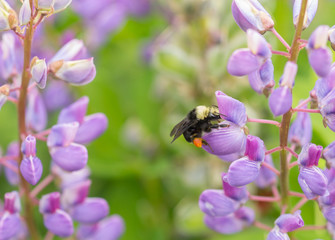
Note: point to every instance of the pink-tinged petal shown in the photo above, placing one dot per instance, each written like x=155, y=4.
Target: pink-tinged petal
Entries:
x=75, y=112
x=318, y=38
x=76, y=72
x=290, y=71
x=71, y=158
x=75, y=194
x=90, y=211
x=12, y=202
x=28, y=146
x=257, y=44
x=59, y=223
x=31, y=169
x=237, y=193
x=312, y=181
x=49, y=203
x=246, y=215
x=312, y=6
x=110, y=228
x=10, y=225
x=255, y=149
x=280, y=101
x=251, y=14
x=243, y=62
x=320, y=60
x=289, y=222
x=262, y=79
x=216, y=204
x=300, y=131
x=91, y=128
x=266, y=177
x=225, y=225
x=36, y=112
x=68, y=179
x=276, y=234
x=73, y=50
x=310, y=155
x=62, y=135
x=242, y=172
x=224, y=141
x=233, y=110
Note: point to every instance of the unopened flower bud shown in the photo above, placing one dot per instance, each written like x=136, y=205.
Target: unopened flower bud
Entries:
x=8, y=17
x=28, y=147
x=78, y=72
x=39, y=70
x=312, y=6
x=251, y=14
x=25, y=13
x=73, y=50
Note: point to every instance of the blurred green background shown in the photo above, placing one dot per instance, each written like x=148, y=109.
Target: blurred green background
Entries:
x=152, y=184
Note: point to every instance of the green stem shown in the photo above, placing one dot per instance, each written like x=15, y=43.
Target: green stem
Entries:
x=285, y=123
x=28, y=215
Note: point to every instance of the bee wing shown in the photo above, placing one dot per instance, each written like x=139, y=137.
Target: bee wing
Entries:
x=180, y=128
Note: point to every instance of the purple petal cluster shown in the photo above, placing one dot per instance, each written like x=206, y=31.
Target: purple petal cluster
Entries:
x=312, y=180
x=254, y=62
x=285, y=223
x=228, y=143
x=245, y=170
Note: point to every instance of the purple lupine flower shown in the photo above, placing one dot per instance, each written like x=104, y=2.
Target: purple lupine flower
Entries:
x=312, y=6
x=285, y=223
x=109, y=228
x=228, y=143
x=329, y=154
x=36, y=112
x=55, y=219
x=280, y=101
x=10, y=222
x=245, y=170
x=39, y=72
x=319, y=55
x=312, y=180
x=250, y=14
x=67, y=179
x=254, y=62
x=300, y=131
x=239, y=194
x=75, y=193
x=266, y=177
x=91, y=210
x=232, y=223
x=31, y=167
x=72, y=50
x=13, y=150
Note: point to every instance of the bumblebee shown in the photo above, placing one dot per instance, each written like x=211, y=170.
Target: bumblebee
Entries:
x=199, y=120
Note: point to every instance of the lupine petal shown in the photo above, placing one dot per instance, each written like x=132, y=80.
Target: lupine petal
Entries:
x=255, y=149
x=28, y=146
x=36, y=112
x=75, y=112
x=239, y=194
x=62, y=135
x=225, y=225
x=75, y=194
x=312, y=6
x=39, y=73
x=73, y=50
x=10, y=225
x=233, y=156
x=290, y=71
x=276, y=234
x=57, y=95
x=310, y=155
x=318, y=38
x=324, y=85
x=49, y=203
x=320, y=60
x=289, y=222
x=251, y=14
x=215, y=203
x=266, y=177
x=262, y=78
x=329, y=154
x=91, y=210
x=91, y=128
x=280, y=101
x=242, y=172
x=312, y=181
x=224, y=141
x=68, y=179
x=71, y=158
x=25, y=13
x=12, y=202
x=110, y=228
x=329, y=214
x=300, y=131
x=233, y=110
x=246, y=215
x=257, y=44
x=243, y=62
x=59, y=223
x=31, y=169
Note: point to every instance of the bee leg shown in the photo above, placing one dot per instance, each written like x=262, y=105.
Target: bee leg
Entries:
x=207, y=144
x=224, y=125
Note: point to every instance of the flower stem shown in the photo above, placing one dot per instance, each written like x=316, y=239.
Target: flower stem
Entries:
x=285, y=54
x=276, y=149
x=264, y=121
x=285, y=123
x=262, y=226
x=306, y=110
x=263, y=199
x=299, y=204
x=22, y=126
x=268, y=166
x=281, y=39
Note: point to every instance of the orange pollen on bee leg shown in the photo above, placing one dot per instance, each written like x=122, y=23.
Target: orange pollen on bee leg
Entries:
x=197, y=142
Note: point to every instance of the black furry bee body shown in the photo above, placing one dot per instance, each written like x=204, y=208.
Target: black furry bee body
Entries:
x=199, y=120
